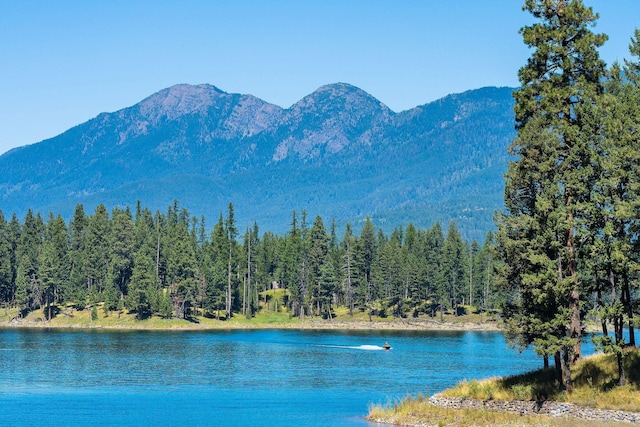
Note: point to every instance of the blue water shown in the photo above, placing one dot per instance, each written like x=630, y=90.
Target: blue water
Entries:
x=234, y=378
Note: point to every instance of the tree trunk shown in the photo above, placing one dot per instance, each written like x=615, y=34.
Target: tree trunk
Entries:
x=454, y=303
x=545, y=361
x=349, y=290
x=575, y=326
x=566, y=370
x=603, y=320
x=248, y=291
x=618, y=324
x=627, y=296
x=48, y=305
x=557, y=360
x=228, y=301
x=244, y=296
x=470, y=276
x=622, y=381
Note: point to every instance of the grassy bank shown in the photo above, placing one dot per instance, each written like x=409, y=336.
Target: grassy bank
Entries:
x=69, y=317
x=594, y=378
x=416, y=413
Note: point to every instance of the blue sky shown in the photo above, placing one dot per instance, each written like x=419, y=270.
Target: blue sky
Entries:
x=64, y=62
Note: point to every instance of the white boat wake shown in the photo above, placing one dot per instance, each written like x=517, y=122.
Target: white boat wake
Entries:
x=355, y=347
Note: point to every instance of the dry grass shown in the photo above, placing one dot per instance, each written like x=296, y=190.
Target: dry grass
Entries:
x=594, y=379
x=419, y=412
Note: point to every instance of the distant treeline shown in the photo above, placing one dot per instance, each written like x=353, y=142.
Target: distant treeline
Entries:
x=169, y=264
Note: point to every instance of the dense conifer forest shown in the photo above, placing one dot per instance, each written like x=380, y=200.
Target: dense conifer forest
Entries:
x=170, y=265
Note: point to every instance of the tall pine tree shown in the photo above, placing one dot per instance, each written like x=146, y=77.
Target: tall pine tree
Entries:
x=548, y=183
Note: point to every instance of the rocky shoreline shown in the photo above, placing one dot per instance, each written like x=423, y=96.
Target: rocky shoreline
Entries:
x=550, y=408
x=397, y=325
x=522, y=408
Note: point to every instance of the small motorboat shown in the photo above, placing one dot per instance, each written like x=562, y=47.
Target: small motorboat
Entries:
x=386, y=346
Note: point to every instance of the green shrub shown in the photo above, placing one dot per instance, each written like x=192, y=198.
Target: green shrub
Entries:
x=489, y=390
x=474, y=389
x=521, y=392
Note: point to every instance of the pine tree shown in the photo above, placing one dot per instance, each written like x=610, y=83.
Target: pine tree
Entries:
x=23, y=295
x=6, y=273
x=28, y=255
x=165, y=304
x=366, y=252
x=387, y=274
x=350, y=280
x=249, y=292
x=97, y=251
x=475, y=265
x=54, y=266
x=77, y=244
x=142, y=288
x=121, y=243
x=293, y=270
x=328, y=283
x=434, y=242
x=318, y=249
x=414, y=243
x=333, y=277
x=267, y=264
x=487, y=262
x=548, y=183
x=216, y=253
x=612, y=219
x=454, y=263
x=232, y=232
x=182, y=270
x=13, y=231
x=30, y=244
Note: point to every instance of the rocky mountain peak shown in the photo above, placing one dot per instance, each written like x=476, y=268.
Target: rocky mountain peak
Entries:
x=329, y=120
x=179, y=100
x=341, y=96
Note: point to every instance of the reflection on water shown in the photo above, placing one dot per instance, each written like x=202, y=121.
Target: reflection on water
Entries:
x=269, y=378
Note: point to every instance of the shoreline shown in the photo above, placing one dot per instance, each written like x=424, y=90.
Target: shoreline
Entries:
x=308, y=324
x=535, y=412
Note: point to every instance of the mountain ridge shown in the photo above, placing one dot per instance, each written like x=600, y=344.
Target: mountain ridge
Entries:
x=338, y=152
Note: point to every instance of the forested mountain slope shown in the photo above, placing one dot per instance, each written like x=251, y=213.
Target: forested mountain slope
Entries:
x=338, y=152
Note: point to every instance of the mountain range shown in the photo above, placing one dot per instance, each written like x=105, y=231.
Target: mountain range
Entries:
x=338, y=152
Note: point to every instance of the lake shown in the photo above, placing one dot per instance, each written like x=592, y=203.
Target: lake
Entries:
x=237, y=378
